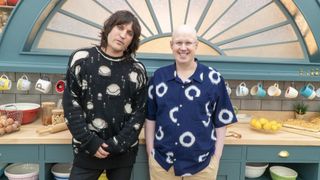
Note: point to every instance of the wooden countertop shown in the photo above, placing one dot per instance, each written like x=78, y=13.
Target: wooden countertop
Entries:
x=28, y=135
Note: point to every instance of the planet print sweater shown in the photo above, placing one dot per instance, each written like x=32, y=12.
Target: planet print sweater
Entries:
x=104, y=102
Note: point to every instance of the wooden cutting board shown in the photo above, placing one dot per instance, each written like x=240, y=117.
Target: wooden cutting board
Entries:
x=301, y=132
x=300, y=128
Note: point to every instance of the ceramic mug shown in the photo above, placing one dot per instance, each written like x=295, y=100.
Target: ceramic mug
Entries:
x=242, y=89
x=274, y=90
x=5, y=83
x=23, y=84
x=228, y=88
x=291, y=92
x=43, y=85
x=318, y=92
x=60, y=86
x=308, y=91
x=257, y=90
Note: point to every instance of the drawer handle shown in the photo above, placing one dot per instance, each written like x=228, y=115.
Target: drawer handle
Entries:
x=283, y=154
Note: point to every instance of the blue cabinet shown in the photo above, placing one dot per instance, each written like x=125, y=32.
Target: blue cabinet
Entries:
x=304, y=159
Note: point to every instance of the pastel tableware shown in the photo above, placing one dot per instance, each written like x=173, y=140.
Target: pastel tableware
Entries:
x=242, y=89
x=23, y=84
x=5, y=83
x=291, y=92
x=274, y=90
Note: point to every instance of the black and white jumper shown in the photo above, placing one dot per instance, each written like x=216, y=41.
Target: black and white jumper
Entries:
x=104, y=101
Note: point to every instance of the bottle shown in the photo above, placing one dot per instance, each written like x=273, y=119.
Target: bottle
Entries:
x=47, y=112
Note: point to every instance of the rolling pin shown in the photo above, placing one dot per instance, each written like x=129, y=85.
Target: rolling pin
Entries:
x=53, y=128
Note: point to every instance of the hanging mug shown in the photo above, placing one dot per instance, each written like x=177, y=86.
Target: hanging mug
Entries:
x=43, y=85
x=23, y=84
x=5, y=83
x=60, y=86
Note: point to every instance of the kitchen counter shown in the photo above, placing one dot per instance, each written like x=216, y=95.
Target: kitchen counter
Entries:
x=28, y=135
x=302, y=151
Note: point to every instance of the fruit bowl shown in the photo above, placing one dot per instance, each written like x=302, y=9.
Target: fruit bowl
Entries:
x=264, y=125
x=264, y=131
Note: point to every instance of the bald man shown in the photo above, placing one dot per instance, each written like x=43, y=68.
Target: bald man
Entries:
x=188, y=109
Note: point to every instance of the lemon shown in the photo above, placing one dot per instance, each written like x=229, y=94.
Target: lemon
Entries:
x=263, y=120
x=253, y=122
x=273, y=122
x=258, y=125
x=274, y=127
x=267, y=126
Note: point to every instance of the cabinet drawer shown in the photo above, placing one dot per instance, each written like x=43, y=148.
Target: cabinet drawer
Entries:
x=58, y=153
x=231, y=152
x=19, y=153
x=283, y=153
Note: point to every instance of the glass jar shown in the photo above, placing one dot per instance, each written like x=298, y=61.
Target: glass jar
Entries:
x=47, y=108
x=57, y=116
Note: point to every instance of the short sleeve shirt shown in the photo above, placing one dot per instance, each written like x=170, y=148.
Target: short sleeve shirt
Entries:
x=186, y=115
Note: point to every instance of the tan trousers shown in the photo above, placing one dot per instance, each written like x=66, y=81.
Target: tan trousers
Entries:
x=158, y=173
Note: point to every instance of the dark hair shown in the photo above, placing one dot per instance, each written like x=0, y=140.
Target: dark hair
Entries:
x=119, y=18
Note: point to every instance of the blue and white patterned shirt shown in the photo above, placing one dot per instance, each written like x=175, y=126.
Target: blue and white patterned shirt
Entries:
x=186, y=115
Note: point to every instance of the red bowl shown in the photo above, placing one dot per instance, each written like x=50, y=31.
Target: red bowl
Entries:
x=30, y=111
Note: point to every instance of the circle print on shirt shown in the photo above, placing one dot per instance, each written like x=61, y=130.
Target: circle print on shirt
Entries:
x=184, y=138
x=187, y=92
x=150, y=92
x=225, y=116
x=213, y=79
x=161, y=86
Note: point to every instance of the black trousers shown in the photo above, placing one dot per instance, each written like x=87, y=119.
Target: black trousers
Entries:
x=123, y=173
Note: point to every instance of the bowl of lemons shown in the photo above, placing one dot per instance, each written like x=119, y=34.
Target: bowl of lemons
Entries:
x=265, y=125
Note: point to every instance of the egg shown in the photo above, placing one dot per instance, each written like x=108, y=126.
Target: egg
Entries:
x=10, y=121
x=14, y=127
x=4, y=122
x=8, y=129
x=2, y=131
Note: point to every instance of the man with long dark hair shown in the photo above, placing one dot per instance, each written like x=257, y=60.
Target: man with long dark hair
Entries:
x=104, y=101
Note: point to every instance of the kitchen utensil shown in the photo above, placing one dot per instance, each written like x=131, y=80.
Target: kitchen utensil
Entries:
x=5, y=82
x=244, y=118
x=282, y=173
x=47, y=108
x=233, y=134
x=301, y=132
x=255, y=170
x=60, y=86
x=61, y=171
x=23, y=84
x=43, y=85
x=242, y=89
x=25, y=171
x=52, y=128
x=274, y=90
x=291, y=92
x=308, y=91
x=30, y=111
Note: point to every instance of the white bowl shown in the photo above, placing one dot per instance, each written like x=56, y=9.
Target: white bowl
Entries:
x=22, y=171
x=61, y=171
x=244, y=118
x=254, y=170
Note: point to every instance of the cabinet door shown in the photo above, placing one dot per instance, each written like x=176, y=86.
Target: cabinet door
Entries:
x=58, y=153
x=229, y=171
x=19, y=153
